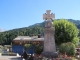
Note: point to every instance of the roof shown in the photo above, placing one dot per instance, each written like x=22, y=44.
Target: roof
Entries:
x=7, y=46
x=28, y=38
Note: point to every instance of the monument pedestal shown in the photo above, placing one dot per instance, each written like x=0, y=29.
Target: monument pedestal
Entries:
x=49, y=43
x=49, y=54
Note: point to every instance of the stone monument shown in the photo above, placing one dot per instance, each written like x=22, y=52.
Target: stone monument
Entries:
x=49, y=40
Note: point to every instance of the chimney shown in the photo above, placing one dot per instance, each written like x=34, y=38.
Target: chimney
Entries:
x=39, y=35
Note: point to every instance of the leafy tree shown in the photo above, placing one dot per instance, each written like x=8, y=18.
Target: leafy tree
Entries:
x=65, y=31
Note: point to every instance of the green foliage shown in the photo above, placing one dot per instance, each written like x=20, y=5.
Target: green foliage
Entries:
x=27, y=46
x=7, y=36
x=79, y=32
x=79, y=38
x=68, y=47
x=38, y=48
x=65, y=31
x=75, y=41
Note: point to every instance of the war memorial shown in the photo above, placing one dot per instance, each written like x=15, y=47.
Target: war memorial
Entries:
x=48, y=40
x=49, y=52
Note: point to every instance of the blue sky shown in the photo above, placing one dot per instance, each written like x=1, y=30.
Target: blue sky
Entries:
x=23, y=13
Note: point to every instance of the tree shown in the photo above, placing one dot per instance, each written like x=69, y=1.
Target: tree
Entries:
x=65, y=31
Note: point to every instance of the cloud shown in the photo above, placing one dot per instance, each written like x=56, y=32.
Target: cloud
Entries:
x=2, y=30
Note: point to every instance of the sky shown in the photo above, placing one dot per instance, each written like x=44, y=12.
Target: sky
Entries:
x=23, y=13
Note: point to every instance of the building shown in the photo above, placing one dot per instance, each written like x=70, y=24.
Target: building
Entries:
x=20, y=41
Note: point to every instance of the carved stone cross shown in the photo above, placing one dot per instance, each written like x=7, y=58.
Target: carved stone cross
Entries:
x=48, y=16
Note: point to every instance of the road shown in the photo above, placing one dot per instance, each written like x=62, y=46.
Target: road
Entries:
x=10, y=58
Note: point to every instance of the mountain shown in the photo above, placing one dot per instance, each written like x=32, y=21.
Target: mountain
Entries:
x=37, y=24
x=7, y=36
x=2, y=30
x=76, y=22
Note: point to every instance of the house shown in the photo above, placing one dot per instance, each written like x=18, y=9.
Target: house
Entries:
x=20, y=41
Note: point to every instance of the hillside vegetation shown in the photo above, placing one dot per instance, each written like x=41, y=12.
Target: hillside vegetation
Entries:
x=7, y=36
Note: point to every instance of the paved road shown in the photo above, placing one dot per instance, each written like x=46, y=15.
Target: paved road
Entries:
x=10, y=58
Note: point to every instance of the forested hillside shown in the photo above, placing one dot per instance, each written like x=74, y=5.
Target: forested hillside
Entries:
x=7, y=36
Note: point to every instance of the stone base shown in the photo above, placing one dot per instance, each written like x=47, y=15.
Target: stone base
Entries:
x=50, y=54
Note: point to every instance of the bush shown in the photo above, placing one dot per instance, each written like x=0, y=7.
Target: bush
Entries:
x=68, y=47
x=27, y=46
x=38, y=49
